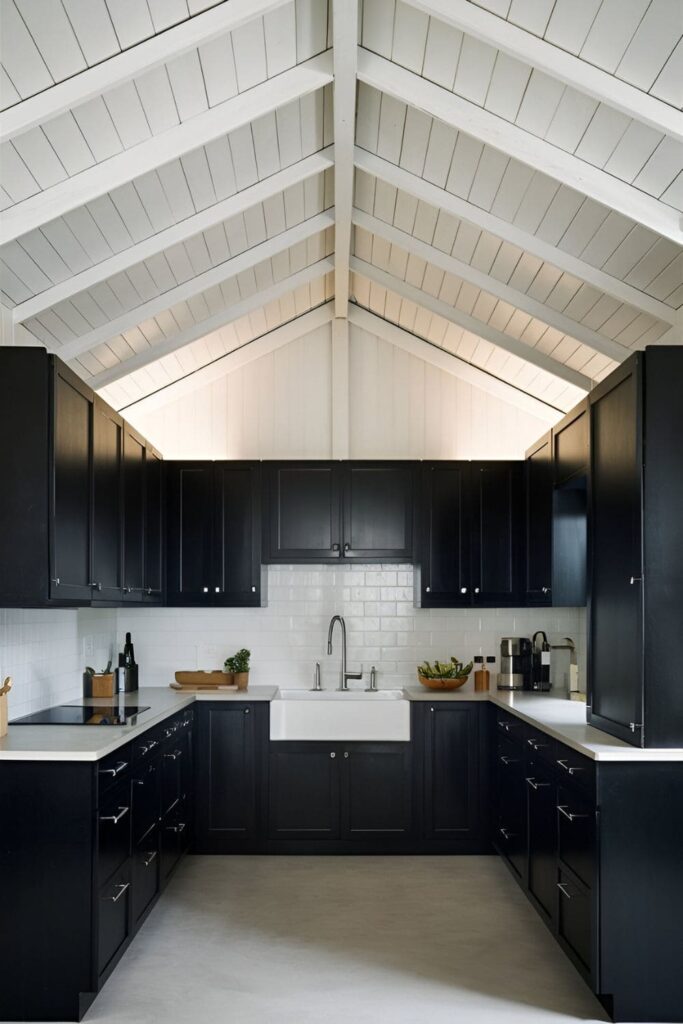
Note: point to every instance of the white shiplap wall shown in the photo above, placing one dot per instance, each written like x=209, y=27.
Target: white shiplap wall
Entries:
x=280, y=406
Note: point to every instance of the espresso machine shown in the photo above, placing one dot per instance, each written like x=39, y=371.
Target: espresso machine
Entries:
x=515, y=663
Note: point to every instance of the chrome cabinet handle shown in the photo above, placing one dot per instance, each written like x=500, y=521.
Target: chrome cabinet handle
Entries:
x=346, y=753
x=332, y=753
x=96, y=586
x=121, y=886
x=114, y=771
x=247, y=710
x=217, y=590
x=180, y=827
x=205, y=590
x=476, y=590
x=535, y=745
x=507, y=725
x=545, y=590
x=115, y=818
x=506, y=834
x=463, y=590
x=253, y=590
x=347, y=547
x=563, y=889
x=635, y=725
x=635, y=579
x=174, y=756
x=149, y=858
x=335, y=547
x=56, y=581
x=562, y=808
x=537, y=785
x=508, y=760
x=563, y=764
x=428, y=590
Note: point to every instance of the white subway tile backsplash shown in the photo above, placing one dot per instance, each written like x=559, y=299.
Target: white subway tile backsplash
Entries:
x=44, y=650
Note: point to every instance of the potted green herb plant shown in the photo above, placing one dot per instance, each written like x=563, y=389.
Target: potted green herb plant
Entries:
x=238, y=664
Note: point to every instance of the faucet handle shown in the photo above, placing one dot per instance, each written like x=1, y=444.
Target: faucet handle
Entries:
x=373, y=680
x=317, y=685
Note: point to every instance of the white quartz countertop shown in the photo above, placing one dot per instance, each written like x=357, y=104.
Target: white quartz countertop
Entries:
x=565, y=720
x=91, y=742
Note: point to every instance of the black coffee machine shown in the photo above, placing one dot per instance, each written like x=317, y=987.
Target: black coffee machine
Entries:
x=515, y=663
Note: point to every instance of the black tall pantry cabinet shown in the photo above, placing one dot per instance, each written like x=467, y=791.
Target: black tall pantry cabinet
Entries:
x=636, y=550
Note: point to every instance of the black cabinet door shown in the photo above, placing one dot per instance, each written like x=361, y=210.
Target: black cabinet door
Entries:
x=444, y=535
x=452, y=796
x=376, y=791
x=71, y=487
x=236, y=562
x=154, y=535
x=539, y=522
x=303, y=791
x=190, y=569
x=510, y=828
x=497, y=534
x=542, y=812
x=107, y=530
x=304, y=512
x=575, y=922
x=615, y=666
x=378, y=511
x=571, y=445
x=229, y=744
x=133, y=515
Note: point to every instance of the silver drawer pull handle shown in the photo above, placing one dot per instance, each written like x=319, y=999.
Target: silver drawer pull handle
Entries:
x=176, y=828
x=174, y=756
x=115, y=818
x=572, y=770
x=508, y=760
x=535, y=745
x=122, y=886
x=562, y=808
x=114, y=771
x=149, y=858
x=506, y=834
x=537, y=785
x=563, y=889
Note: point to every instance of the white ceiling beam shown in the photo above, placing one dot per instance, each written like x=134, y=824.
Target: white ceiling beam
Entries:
x=341, y=406
x=161, y=149
x=579, y=74
x=213, y=323
x=521, y=145
x=263, y=345
x=520, y=300
x=230, y=207
x=136, y=61
x=345, y=40
x=471, y=324
x=464, y=210
x=452, y=364
x=182, y=292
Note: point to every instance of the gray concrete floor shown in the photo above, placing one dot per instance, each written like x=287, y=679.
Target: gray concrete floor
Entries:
x=326, y=940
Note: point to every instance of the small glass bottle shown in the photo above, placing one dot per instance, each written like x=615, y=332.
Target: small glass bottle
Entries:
x=481, y=675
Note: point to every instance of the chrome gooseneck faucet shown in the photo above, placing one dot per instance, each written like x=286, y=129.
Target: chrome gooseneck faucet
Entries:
x=344, y=675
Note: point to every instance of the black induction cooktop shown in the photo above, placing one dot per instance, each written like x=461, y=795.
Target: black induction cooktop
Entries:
x=79, y=714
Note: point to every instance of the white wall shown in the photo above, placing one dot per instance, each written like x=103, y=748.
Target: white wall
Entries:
x=46, y=650
x=280, y=406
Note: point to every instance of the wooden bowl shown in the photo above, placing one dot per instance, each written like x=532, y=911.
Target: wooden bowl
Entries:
x=443, y=684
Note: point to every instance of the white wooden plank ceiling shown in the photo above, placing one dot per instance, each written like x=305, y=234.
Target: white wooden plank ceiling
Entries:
x=505, y=179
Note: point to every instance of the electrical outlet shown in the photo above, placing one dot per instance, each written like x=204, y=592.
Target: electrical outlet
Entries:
x=88, y=648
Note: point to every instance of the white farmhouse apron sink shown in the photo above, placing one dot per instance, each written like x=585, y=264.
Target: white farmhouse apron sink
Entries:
x=383, y=715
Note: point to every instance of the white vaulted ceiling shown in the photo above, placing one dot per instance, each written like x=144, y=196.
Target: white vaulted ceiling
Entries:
x=503, y=180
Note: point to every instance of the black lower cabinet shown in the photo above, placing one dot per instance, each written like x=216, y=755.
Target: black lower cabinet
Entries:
x=303, y=791
x=454, y=791
x=510, y=833
x=377, y=801
x=542, y=837
x=230, y=774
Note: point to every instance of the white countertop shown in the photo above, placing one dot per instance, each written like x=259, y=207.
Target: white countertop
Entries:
x=90, y=743
x=565, y=720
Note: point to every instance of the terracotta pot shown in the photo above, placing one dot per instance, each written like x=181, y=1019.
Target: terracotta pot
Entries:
x=241, y=680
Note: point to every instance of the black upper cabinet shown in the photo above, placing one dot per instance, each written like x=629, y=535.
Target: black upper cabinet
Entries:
x=107, y=535
x=497, y=533
x=71, y=486
x=378, y=511
x=444, y=533
x=321, y=512
x=570, y=503
x=471, y=534
x=134, y=515
x=304, y=512
x=213, y=533
x=154, y=528
x=539, y=535
x=571, y=445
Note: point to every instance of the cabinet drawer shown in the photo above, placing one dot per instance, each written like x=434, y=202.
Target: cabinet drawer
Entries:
x=114, y=768
x=145, y=872
x=113, y=830
x=541, y=747
x=509, y=754
x=508, y=725
x=146, y=746
x=171, y=762
x=577, y=769
x=576, y=831
x=114, y=917
x=575, y=920
x=174, y=838
x=145, y=798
